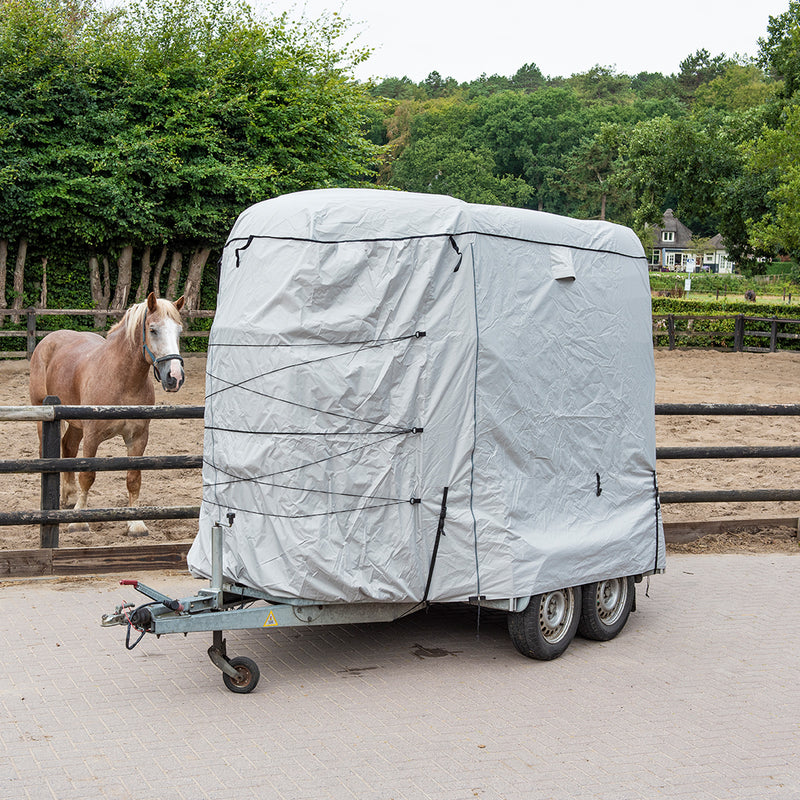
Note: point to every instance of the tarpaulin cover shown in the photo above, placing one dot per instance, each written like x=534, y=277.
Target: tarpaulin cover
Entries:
x=374, y=351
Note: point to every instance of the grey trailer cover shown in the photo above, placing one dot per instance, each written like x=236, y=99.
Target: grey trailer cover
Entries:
x=392, y=375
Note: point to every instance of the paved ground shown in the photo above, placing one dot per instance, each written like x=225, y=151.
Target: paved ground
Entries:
x=698, y=698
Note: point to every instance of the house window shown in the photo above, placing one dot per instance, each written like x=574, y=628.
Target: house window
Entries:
x=667, y=236
x=655, y=257
x=670, y=259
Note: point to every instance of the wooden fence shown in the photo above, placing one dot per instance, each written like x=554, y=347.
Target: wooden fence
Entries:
x=733, y=331
x=33, y=333
x=49, y=516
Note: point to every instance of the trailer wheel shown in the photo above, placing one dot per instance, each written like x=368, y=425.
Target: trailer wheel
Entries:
x=546, y=627
x=605, y=608
x=248, y=675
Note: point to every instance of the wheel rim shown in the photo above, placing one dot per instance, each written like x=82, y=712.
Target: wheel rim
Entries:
x=556, y=612
x=610, y=599
x=243, y=678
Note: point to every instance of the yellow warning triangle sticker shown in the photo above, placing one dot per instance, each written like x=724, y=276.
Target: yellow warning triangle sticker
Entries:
x=270, y=621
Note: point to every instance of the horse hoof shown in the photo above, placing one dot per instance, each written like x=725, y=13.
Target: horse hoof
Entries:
x=137, y=529
x=78, y=527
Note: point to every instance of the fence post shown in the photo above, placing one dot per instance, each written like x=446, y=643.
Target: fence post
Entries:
x=31, y=332
x=51, y=481
x=738, y=334
x=671, y=331
x=773, y=338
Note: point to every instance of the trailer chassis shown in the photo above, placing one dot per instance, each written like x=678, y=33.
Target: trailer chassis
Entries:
x=540, y=626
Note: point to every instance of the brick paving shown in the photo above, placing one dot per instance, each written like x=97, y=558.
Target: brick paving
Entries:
x=698, y=698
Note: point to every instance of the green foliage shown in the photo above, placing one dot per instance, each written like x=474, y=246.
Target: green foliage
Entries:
x=777, y=154
x=738, y=87
x=700, y=68
x=779, y=51
x=714, y=322
x=672, y=305
x=159, y=122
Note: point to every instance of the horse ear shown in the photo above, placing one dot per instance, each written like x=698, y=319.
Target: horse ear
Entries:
x=151, y=302
x=179, y=302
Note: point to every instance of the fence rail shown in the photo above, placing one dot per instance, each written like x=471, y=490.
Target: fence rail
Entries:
x=32, y=333
x=50, y=465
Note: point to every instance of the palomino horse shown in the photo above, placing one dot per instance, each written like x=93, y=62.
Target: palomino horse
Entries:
x=87, y=369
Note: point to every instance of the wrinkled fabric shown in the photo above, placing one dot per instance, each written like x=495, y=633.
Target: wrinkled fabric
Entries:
x=371, y=348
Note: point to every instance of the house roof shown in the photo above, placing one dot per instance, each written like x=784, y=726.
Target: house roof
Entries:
x=683, y=236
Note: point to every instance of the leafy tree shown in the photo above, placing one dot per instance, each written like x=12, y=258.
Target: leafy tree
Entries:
x=594, y=175
x=156, y=124
x=528, y=78
x=699, y=68
x=438, y=165
x=779, y=51
x=396, y=88
x=654, y=86
x=777, y=153
x=737, y=88
x=602, y=85
x=437, y=86
x=485, y=85
x=680, y=163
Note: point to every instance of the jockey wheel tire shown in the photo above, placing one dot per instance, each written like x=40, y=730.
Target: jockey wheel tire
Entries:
x=248, y=675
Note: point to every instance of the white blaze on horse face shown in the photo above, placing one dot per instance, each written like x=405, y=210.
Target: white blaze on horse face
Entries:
x=164, y=339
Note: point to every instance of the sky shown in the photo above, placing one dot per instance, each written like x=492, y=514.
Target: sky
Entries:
x=464, y=39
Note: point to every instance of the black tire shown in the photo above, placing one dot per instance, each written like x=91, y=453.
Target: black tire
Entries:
x=248, y=675
x=546, y=627
x=605, y=608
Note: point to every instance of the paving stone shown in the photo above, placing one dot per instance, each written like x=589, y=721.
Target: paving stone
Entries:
x=697, y=698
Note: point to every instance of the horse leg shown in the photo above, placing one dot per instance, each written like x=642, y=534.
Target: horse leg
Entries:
x=85, y=481
x=136, y=441
x=70, y=442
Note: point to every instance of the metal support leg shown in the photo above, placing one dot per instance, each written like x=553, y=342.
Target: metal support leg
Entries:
x=219, y=655
x=216, y=565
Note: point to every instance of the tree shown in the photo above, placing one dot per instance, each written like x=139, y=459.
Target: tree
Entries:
x=737, y=88
x=681, y=164
x=777, y=153
x=157, y=123
x=592, y=175
x=699, y=68
x=439, y=165
x=779, y=52
x=602, y=85
x=437, y=86
x=655, y=86
x=528, y=78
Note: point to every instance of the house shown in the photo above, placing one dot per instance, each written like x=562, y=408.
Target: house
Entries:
x=674, y=250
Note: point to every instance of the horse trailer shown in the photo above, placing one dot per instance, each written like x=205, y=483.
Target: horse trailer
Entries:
x=411, y=399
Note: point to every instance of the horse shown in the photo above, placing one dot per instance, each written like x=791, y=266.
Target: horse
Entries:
x=83, y=368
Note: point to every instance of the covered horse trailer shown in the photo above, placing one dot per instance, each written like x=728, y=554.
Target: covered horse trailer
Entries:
x=411, y=399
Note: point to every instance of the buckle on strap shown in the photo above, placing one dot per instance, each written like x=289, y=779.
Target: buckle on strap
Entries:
x=157, y=361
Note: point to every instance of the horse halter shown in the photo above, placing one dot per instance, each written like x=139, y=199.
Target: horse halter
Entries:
x=146, y=351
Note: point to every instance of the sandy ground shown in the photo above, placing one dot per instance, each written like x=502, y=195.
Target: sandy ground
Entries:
x=682, y=376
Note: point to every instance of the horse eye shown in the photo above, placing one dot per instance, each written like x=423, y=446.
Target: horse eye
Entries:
x=154, y=331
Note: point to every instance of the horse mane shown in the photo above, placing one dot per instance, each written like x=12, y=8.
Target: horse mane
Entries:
x=134, y=317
